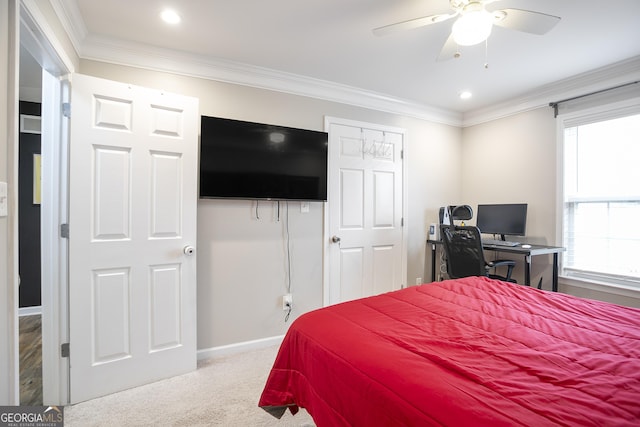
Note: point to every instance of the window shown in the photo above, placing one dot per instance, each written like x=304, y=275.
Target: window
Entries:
x=601, y=199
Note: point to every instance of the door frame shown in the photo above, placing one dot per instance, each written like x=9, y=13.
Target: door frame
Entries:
x=332, y=168
x=9, y=354
x=37, y=36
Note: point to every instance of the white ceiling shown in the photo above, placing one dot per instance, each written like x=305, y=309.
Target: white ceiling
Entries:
x=331, y=40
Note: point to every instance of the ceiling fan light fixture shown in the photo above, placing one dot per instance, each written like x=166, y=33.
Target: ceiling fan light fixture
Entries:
x=473, y=27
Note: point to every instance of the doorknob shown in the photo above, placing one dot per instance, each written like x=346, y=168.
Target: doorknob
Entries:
x=189, y=250
x=335, y=239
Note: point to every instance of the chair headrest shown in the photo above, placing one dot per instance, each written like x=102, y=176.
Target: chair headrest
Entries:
x=461, y=212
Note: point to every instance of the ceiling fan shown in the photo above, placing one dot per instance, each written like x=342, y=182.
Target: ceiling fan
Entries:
x=474, y=23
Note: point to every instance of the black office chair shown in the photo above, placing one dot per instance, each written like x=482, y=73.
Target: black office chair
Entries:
x=465, y=256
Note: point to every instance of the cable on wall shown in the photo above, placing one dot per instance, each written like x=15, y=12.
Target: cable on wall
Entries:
x=288, y=238
x=288, y=251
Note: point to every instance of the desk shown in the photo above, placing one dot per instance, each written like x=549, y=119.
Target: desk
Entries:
x=527, y=253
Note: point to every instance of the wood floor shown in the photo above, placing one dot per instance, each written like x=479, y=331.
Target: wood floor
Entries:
x=30, y=360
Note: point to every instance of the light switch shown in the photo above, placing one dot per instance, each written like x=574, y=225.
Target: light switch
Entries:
x=4, y=209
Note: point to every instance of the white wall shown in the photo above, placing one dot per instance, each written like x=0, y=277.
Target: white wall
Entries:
x=513, y=160
x=435, y=180
x=241, y=259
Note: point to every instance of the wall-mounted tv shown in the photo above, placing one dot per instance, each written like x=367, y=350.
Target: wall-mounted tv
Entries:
x=245, y=160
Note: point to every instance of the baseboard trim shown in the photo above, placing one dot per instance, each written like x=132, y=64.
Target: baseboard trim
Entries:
x=226, y=350
x=30, y=311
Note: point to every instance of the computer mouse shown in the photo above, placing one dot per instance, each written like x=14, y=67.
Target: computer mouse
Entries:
x=526, y=246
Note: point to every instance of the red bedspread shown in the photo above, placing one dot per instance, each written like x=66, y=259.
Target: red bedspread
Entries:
x=467, y=352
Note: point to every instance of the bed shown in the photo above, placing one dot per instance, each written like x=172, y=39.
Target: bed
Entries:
x=466, y=352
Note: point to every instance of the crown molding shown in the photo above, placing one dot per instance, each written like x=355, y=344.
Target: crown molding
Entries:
x=72, y=22
x=177, y=62
x=166, y=60
x=596, y=80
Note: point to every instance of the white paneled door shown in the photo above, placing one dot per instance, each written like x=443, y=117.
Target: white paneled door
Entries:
x=365, y=211
x=132, y=219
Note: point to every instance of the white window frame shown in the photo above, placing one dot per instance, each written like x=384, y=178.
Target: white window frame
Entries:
x=582, y=116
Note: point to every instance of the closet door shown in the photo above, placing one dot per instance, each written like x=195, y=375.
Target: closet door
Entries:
x=365, y=211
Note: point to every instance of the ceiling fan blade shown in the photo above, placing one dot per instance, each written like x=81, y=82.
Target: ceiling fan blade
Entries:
x=412, y=23
x=449, y=50
x=525, y=20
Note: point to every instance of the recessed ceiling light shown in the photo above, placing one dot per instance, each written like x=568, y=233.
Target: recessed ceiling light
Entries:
x=465, y=94
x=170, y=17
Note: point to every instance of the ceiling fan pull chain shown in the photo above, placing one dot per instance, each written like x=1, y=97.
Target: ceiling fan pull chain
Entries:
x=486, y=54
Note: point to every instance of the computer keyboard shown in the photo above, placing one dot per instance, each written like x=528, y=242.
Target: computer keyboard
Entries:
x=496, y=242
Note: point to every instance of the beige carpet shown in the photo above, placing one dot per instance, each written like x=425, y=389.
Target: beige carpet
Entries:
x=222, y=392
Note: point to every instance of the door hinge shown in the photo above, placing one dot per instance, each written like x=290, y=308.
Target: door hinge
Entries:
x=66, y=109
x=401, y=222
x=64, y=231
x=402, y=154
x=64, y=350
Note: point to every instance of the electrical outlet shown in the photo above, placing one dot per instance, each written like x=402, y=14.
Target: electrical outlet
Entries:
x=287, y=302
x=418, y=280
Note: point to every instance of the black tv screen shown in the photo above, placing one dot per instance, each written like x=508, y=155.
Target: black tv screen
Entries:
x=504, y=219
x=245, y=160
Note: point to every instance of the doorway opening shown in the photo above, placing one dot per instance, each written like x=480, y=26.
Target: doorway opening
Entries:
x=40, y=55
x=29, y=231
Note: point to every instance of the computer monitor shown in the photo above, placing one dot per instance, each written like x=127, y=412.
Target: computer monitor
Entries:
x=502, y=219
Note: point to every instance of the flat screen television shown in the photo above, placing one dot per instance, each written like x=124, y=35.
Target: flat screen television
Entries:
x=503, y=219
x=245, y=160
